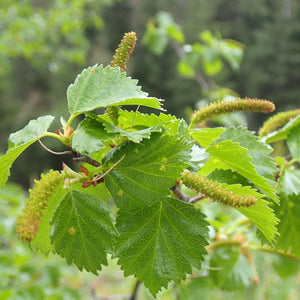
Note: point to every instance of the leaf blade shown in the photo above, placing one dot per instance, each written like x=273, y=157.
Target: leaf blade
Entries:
x=83, y=230
x=101, y=87
x=147, y=171
x=19, y=141
x=162, y=242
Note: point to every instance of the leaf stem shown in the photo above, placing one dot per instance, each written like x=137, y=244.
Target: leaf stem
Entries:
x=241, y=244
x=72, y=117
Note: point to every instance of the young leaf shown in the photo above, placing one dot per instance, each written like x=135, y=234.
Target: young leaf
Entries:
x=101, y=87
x=134, y=136
x=289, y=227
x=161, y=242
x=35, y=128
x=89, y=136
x=137, y=120
x=237, y=158
x=263, y=217
x=282, y=133
x=83, y=230
x=293, y=142
x=259, y=151
x=137, y=126
x=205, y=136
x=20, y=141
x=147, y=170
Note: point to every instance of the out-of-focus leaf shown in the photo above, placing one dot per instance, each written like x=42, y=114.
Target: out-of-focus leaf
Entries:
x=293, y=142
x=289, y=227
x=233, y=270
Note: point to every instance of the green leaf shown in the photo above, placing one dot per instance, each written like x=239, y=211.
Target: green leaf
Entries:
x=89, y=136
x=286, y=266
x=134, y=136
x=263, y=217
x=20, y=141
x=147, y=170
x=233, y=270
x=161, y=242
x=35, y=128
x=237, y=158
x=289, y=227
x=83, y=230
x=130, y=120
x=205, y=136
x=293, y=142
x=101, y=87
x=289, y=181
x=282, y=133
x=260, y=214
x=259, y=151
x=137, y=126
x=227, y=176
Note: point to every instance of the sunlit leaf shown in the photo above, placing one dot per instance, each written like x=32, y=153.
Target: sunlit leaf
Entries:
x=20, y=141
x=101, y=87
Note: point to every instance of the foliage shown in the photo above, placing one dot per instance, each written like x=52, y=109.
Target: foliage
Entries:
x=27, y=275
x=129, y=196
x=201, y=61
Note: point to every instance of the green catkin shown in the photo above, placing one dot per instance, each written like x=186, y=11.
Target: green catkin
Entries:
x=215, y=190
x=277, y=121
x=120, y=59
x=224, y=107
x=31, y=216
x=124, y=50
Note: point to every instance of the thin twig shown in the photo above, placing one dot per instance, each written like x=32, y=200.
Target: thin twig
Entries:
x=98, y=178
x=87, y=159
x=182, y=196
x=179, y=194
x=51, y=151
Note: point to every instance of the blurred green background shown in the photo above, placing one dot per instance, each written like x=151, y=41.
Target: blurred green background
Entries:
x=45, y=44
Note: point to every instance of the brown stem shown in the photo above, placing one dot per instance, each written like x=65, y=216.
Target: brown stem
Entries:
x=133, y=296
x=182, y=196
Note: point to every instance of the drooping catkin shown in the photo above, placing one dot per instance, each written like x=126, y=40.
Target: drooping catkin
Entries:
x=31, y=216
